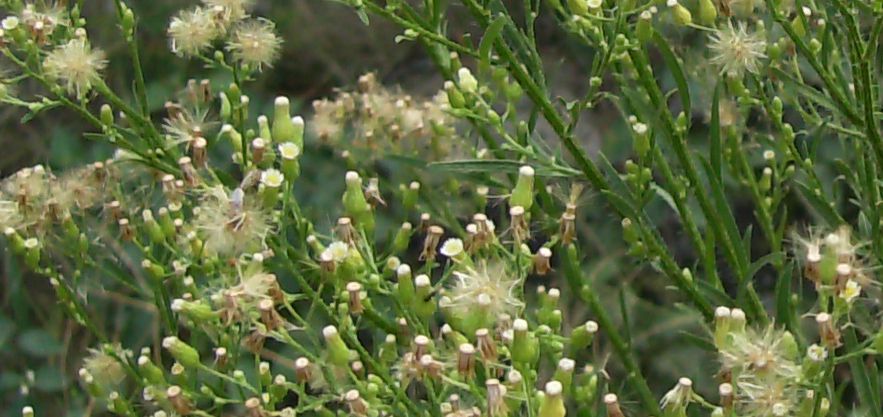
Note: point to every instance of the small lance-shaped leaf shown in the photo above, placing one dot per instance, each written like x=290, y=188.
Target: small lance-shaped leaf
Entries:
x=866, y=383
x=677, y=72
x=821, y=206
x=725, y=215
x=498, y=166
x=715, y=134
x=785, y=313
x=487, y=43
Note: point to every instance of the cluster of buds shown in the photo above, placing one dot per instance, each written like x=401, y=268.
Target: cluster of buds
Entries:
x=378, y=121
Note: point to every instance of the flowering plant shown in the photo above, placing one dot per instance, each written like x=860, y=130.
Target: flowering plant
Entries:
x=411, y=304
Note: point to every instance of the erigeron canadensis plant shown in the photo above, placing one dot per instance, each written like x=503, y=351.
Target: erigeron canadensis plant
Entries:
x=265, y=311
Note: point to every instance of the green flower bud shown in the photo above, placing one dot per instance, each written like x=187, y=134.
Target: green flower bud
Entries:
x=522, y=194
x=681, y=14
x=707, y=12
x=389, y=350
x=564, y=373
x=198, y=311
x=722, y=325
x=455, y=96
x=128, y=21
x=644, y=27
x=338, y=353
x=107, y=118
x=466, y=81
x=582, y=336
x=425, y=302
x=150, y=372
x=16, y=242
x=153, y=270
x=226, y=107
x=405, y=288
x=33, y=250
x=278, y=389
x=578, y=7
x=402, y=238
x=154, y=230
x=355, y=203
x=119, y=405
x=283, y=127
x=553, y=403
x=525, y=346
x=232, y=136
x=410, y=195
x=742, y=9
x=182, y=352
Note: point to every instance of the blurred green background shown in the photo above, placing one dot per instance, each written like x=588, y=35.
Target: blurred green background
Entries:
x=326, y=47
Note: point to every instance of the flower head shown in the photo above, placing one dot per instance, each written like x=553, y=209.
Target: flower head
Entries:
x=232, y=10
x=192, y=31
x=104, y=368
x=488, y=286
x=452, y=247
x=231, y=223
x=76, y=65
x=254, y=42
x=736, y=50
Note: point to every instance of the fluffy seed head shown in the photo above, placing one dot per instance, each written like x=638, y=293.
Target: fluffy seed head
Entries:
x=254, y=42
x=191, y=32
x=76, y=65
x=736, y=50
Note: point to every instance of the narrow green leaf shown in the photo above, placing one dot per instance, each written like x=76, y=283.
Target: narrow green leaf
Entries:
x=677, y=72
x=715, y=134
x=864, y=381
x=700, y=342
x=783, y=299
x=820, y=206
x=725, y=214
x=497, y=166
x=487, y=43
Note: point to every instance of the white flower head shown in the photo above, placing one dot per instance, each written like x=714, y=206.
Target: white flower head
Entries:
x=816, y=353
x=850, y=291
x=452, y=247
x=289, y=150
x=272, y=178
x=339, y=251
x=736, y=50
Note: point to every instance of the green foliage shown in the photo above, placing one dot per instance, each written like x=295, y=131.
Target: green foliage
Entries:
x=732, y=223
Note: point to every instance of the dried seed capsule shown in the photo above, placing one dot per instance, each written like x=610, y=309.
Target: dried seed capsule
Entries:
x=518, y=223
x=303, y=370
x=496, y=394
x=725, y=391
x=612, y=403
x=829, y=334
x=357, y=405
x=542, y=261
x=269, y=316
x=466, y=360
x=430, y=244
x=354, y=293
x=254, y=408
x=179, y=401
x=486, y=344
